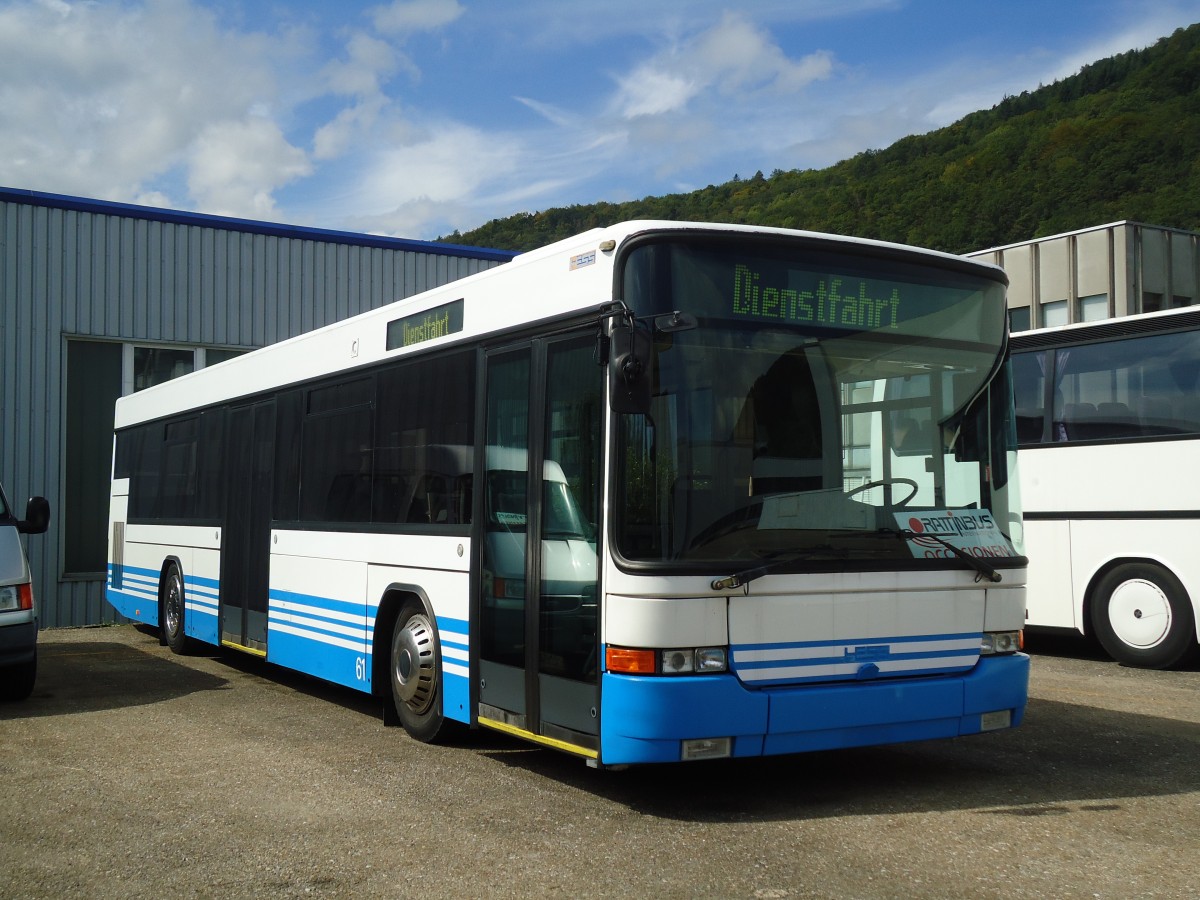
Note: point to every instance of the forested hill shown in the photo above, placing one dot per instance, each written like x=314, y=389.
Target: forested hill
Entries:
x=1119, y=140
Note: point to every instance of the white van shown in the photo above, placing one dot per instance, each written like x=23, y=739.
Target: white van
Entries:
x=18, y=612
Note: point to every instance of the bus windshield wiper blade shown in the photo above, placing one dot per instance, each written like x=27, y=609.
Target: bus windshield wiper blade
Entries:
x=778, y=561
x=984, y=570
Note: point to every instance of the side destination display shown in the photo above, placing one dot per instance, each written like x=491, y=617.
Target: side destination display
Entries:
x=425, y=326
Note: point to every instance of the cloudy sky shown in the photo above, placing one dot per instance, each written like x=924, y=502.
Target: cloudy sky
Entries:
x=418, y=117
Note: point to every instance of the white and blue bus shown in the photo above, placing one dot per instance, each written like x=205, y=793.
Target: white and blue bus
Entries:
x=1108, y=422
x=604, y=498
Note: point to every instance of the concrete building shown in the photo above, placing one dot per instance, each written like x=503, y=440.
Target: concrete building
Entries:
x=1098, y=273
x=101, y=299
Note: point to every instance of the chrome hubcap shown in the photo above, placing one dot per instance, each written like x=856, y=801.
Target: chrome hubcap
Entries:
x=413, y=662
x=173, y=605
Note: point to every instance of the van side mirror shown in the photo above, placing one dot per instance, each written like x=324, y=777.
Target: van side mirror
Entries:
x=37, y=516
x=629, y=372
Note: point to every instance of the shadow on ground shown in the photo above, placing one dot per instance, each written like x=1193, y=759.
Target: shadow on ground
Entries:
x=88, y=676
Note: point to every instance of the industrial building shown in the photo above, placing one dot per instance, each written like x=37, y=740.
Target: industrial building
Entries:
x=100, y=299
x=1098, y=273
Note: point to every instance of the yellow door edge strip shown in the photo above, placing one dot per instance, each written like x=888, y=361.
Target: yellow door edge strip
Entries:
x=261, y=654
x=538, y=738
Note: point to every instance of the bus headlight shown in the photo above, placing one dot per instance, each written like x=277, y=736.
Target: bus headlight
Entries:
x=687, y=661
x=998, y=642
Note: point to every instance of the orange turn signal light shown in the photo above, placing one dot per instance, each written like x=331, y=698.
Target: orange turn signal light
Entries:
x=630, y=662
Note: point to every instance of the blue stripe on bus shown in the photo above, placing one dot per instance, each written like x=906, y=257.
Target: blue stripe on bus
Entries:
x=322, y=636
x=327, y=637
x=138, y=600
x=903, y=639
x=801, y=662
x=454, y=636
x=137, y=597
x=883, y=655
x=851, y=675
x=202, y=600
x=332, y=638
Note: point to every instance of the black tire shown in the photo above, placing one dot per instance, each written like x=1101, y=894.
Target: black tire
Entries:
x=16, y=682
x=1142, y=617
x=171, y=610
x=415, y=673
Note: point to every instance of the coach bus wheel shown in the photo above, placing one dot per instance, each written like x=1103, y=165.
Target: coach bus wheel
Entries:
x=171, y=614
x=1142, y=617
x=415, y=669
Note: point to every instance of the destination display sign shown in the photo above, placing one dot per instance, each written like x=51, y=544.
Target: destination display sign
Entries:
x=425, y=326
x=823, y=292
x=826, y=300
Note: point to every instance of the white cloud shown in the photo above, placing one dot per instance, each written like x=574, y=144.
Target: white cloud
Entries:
x=651, y=91
x=398, y=116
x=116, y=100
x=1148, y=27
x=732, y=58
x=551, y=23
x=406, y=16
x=234, y=167
x=403, y=187
x=336, y=137
x=368, y=64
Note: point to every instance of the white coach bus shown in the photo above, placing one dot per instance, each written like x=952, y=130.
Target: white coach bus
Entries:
x=1108, y=421
x=601, y=498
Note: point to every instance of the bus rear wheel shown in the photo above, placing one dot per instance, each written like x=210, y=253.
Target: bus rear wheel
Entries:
x=171, y=610
x=1142, y=617
x=415, y=674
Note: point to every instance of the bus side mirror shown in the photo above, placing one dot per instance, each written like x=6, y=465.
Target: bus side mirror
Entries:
x=629, y=368
x=37, y=516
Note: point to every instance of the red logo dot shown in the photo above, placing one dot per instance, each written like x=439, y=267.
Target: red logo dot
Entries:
x=915, y=525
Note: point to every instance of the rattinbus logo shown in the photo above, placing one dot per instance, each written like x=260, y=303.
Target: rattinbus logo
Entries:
x=972, y=532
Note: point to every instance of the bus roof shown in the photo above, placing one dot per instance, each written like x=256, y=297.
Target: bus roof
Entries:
x=1078, y=332
x=568, y=276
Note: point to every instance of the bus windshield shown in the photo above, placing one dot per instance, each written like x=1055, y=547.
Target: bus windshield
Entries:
x=827, y=408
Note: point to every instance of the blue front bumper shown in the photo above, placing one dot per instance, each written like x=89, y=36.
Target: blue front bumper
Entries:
x=645, y=719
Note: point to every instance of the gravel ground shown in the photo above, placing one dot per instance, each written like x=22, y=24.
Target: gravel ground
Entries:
x=131, y=772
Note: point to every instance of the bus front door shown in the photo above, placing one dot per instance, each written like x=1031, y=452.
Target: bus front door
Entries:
x=246, y=535
x=539, y=579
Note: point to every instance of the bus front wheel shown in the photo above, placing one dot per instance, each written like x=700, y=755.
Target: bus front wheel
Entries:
x=415, y=673
x=1142, y=617
x=171, y=610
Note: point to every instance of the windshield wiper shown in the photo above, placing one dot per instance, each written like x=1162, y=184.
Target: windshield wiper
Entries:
x=984, y=570
x=776, y=562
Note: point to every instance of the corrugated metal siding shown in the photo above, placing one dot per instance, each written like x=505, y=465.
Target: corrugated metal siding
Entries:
x=74, y=272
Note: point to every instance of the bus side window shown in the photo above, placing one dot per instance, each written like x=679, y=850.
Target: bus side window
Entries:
x=463, y=488
x=1029, y=384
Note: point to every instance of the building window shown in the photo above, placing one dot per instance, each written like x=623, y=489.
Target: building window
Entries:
x=1151, y=302
x=1092, y=308
x=1054, y=313
x=1019, y=319
x=93, y=386
x=213, y=356
x=154, y=365
x=1178, y=301
x=98, y=372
